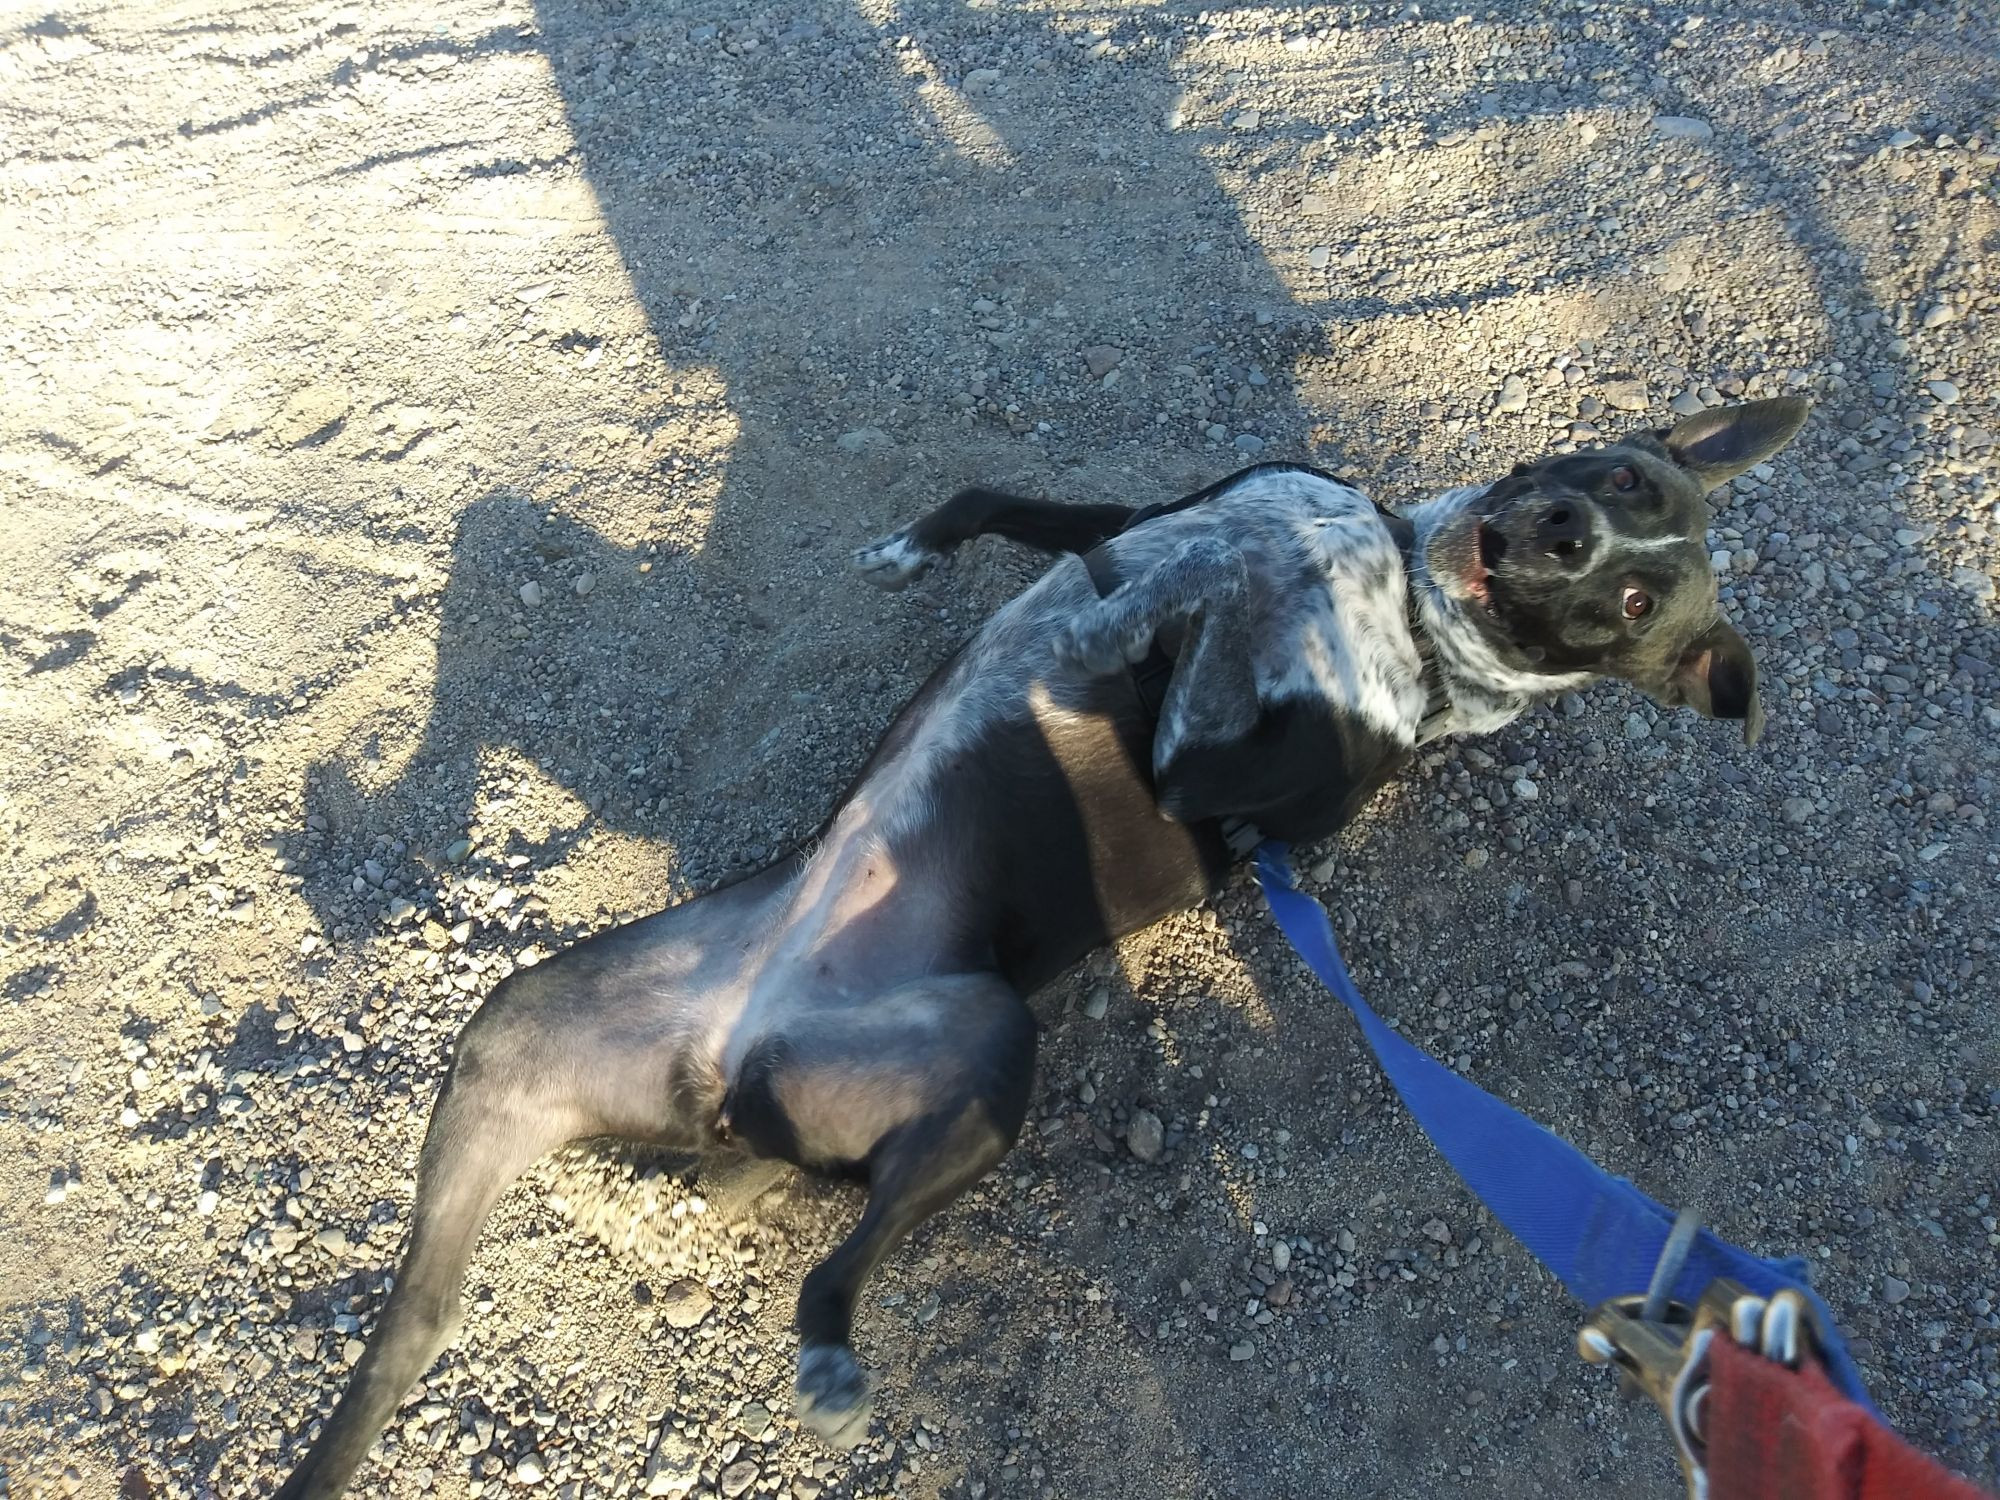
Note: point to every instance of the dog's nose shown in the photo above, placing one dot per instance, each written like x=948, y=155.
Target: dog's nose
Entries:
x=1563, y=532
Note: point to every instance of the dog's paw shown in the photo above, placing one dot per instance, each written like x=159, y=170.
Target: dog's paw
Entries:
x=832, y=1395
x=893, y=562
x=1105, y=640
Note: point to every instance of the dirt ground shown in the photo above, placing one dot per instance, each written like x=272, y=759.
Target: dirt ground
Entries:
x=432, y=437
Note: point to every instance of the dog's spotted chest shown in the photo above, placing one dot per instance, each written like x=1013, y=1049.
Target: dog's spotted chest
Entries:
x=1354, y=637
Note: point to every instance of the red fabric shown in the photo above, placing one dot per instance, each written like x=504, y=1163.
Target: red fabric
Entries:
x=1779, y=1434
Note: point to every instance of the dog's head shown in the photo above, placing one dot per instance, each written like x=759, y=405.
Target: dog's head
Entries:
x=1594, y=562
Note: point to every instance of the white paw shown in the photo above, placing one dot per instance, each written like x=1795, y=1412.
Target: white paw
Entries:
x=892, y=562
x=832, y=1395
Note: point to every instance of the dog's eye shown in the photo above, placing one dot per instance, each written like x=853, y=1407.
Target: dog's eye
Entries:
x=1622, y=478
x=1637, y=604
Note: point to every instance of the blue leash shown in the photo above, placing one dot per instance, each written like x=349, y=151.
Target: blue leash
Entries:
x=1599, y=1234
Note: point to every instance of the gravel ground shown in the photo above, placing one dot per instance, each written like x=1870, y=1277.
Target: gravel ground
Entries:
x=432, y=435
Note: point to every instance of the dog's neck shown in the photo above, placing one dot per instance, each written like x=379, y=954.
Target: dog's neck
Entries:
x=1484, y=692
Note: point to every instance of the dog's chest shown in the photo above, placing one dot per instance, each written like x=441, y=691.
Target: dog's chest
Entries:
x=1337, y=628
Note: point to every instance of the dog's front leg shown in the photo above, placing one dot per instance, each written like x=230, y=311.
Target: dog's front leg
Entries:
x=1201, y=576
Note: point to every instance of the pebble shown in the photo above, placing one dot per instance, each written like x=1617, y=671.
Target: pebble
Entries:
x=1097, y=1003
x=683, y=1304
x=1687, y=404
x=531, y=594
x=1939, y=315
x=1249, y=444
x=1513, y=395
x=1241, y=1352
x=1627, y=395
x=865, y=440
x=529, y=1470
x=1249, y=119
x=1682, y=127
x=1894, y=1290
x=1944, y=390
x=585, y=582
x=1102, y=359
x=737, y=1478
x=1902, y=140
x=1146, y=1137
x=982, y=81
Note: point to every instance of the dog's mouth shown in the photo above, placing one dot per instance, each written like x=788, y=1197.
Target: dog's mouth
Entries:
x=1488, y=548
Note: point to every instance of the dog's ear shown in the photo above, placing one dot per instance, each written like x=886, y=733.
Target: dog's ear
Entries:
x=1715, y=446
x=1717, y=677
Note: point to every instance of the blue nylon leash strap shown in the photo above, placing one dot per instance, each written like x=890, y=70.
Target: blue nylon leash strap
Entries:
x=1597, y=1233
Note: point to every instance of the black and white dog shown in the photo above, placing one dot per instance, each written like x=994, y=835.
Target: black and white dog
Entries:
x=857, y=1008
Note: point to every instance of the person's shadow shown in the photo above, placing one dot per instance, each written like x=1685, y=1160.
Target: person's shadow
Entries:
x=791, y=206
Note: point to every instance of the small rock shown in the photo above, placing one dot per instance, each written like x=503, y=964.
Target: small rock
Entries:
x=1249, y=119
x=1797, y=810
x=332, y=1239
x=1102, y=359
x=674, y=1467
x=1687, y=404
x=737, y=1478
x=1238, y=1353
x=1439, y=1231
x=531, y=594
x=1627, y=395
x=1146, y=1136
x=1476, y=858
x=685, y=1303
x=1513, y=395
x=1682, y=127
x=585, y=582
x=1281, y=1256
x=529, y=1470
x=1943, y=390
x=755, y=1421
x=865, y=440
x=1320, y=256
x=1097, y=1002
x=1902, y=140
x=982, y=81
x=1940, y=315
x=1894, y=1290
x=1249, y=443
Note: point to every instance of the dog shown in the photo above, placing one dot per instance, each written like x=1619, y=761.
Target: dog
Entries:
x=857, y=1008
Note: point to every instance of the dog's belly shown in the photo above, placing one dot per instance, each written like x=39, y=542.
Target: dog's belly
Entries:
x=1053, y=824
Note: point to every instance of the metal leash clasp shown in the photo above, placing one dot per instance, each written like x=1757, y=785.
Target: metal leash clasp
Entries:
x=1660, y=1347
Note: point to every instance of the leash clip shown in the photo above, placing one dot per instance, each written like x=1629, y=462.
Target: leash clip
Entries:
x=1660, y=1348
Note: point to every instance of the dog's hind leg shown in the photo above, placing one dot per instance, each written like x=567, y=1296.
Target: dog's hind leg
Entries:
x=925, y=1089
x=1045, y=525
x=561, y=1052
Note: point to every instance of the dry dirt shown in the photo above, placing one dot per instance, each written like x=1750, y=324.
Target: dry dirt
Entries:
x=327, y=331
